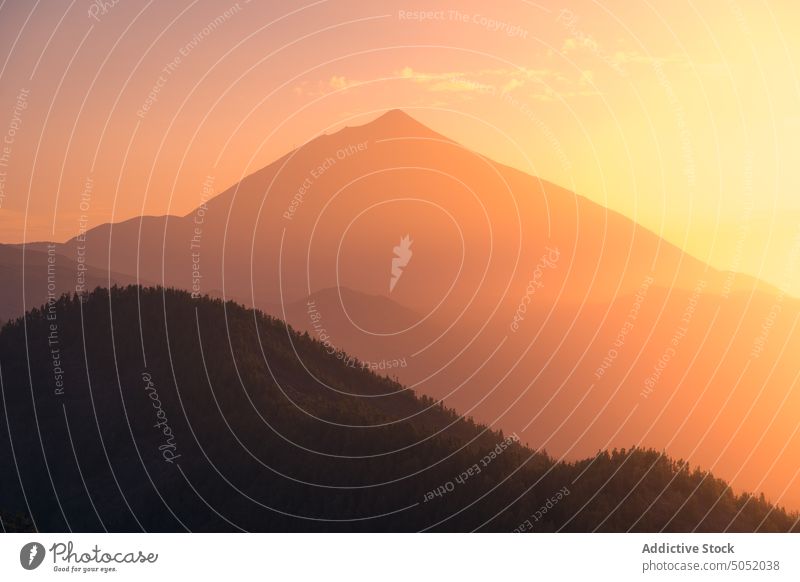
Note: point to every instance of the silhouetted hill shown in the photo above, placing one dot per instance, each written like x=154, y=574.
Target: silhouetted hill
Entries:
x=525, y=305
x=30, y=276
x=145, y=409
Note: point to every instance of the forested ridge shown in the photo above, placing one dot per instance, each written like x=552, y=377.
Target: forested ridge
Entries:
x=183, y=414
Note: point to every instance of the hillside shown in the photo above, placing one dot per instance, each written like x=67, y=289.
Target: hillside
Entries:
x=176, y=414
x=30, y=276
x=525, y=305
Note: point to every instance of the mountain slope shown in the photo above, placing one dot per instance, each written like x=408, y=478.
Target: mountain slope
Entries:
x=31, y=276
x=404, y=176
x=181, y=413
x=523, y=304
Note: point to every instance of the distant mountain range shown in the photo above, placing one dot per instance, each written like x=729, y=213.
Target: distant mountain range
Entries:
x=524, y=305
x=46, y=274
x=145, y=409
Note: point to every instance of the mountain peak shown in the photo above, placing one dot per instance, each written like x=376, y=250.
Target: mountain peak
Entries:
x=398, y=123
x=396, y=116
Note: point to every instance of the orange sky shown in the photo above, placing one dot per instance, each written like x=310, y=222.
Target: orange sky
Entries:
x=681, y=115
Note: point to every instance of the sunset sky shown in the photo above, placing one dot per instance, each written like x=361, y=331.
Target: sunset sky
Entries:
x=681, y=115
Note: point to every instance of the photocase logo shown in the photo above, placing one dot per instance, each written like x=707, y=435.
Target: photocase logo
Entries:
x=31, y=555
x=400, y=260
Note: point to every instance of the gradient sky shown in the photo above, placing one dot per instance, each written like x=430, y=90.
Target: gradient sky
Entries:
x=682, y=115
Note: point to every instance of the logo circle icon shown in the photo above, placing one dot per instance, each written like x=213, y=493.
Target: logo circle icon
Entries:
x=31, y=555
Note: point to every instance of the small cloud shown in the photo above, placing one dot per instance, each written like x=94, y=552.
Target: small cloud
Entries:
x=542, y=84
x=335, y=83
x=512, y=84
x=637, y=58
x=338, y=82
x=407, y=73
x=449, y=82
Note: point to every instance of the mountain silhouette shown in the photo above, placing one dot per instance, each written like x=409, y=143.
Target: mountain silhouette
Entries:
x=197, y=414
x=31, y=277
x=527, y=306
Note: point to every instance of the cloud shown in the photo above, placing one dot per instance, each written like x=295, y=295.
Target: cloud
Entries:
x=338, y=82
x=450, y=82
x=541, y=84
x=512, y=84
x=528, y=83
x=335, y=83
